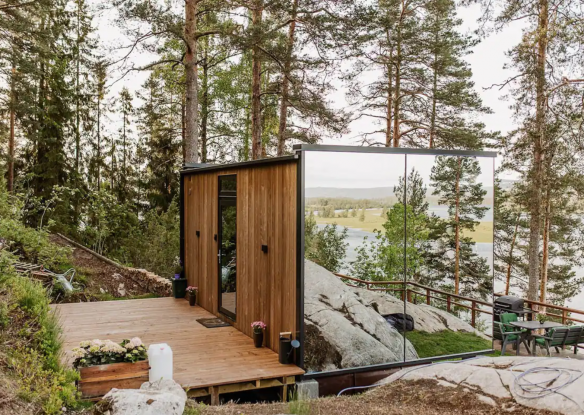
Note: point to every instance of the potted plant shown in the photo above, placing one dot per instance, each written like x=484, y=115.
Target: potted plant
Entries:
x=104, y=365
x=179, y=284
x=192, y=293
x=542, y=318
x=258, y=332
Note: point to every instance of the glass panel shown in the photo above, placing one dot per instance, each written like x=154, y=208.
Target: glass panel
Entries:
x=227, y=255
x=354, y=260
x=449, y=253
x=227, y=185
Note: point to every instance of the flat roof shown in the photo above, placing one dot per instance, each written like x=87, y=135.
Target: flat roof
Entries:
x=392, y=150
x=193, y=168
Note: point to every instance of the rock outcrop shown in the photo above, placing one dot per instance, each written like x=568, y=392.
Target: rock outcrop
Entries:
x=503, y=382
x=344, y=327
x=343, y=332
x=165, y=397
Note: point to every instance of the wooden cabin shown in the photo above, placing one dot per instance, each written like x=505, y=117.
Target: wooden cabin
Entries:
x=242, y=230
x=252, y=209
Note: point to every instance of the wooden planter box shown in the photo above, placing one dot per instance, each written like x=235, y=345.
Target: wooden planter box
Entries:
x=96, y=381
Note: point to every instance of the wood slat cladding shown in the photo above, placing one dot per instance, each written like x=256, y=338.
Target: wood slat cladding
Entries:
x=266, y=215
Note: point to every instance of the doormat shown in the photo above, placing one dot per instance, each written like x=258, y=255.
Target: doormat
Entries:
x=212, y=323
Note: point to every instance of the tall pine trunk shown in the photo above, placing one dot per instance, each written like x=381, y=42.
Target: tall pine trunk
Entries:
x=397, y=98
x=538, y=152
x=205, y=104
x=545, y=256
x=191, y=140
x=285, y=82
x=457, y=229
x=256, y=124
x=434, y=91
x=99, y=141
x=11, y=138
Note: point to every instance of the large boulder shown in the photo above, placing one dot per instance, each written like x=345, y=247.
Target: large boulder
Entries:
x=550, y=384
x=426, y=318
x=341, y=330
x=164, y=397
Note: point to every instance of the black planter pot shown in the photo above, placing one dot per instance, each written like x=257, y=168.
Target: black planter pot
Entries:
x=258, y=339
x=193, y=299
x=179, y=287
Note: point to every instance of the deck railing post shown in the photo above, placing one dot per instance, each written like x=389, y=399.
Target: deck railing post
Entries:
x=473, y=314
x=448, y=303
x=564, y=317
x=428, y=296
x=409, y=293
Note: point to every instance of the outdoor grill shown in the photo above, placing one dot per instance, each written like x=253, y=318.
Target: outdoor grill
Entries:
x=509, y=304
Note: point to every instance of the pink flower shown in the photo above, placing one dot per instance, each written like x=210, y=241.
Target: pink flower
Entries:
x=258, y=325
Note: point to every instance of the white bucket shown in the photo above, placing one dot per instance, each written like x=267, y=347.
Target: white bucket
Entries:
x=160, y=359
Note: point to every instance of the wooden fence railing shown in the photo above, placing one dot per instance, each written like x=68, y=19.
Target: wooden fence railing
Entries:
x=466, y=303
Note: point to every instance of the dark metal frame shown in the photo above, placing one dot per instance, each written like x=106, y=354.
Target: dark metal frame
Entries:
x=300, y=336
x=225, y=200
x=300, y=149
x=392, y=150
x=407, y=363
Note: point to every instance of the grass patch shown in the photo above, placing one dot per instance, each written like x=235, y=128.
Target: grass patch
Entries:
x=446, y=342
x=374, y=220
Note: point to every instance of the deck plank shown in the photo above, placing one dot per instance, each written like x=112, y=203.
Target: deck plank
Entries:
x=202, y=357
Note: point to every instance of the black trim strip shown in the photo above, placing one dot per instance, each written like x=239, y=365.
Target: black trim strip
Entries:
x=300, y=258
x=392, y=150
x=252, y=163
x=428, y=360
x=182, y=226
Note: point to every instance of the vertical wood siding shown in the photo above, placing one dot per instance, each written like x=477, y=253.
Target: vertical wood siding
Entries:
x=266, y=215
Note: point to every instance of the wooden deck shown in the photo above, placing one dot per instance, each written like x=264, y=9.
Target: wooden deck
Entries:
x=206, y=361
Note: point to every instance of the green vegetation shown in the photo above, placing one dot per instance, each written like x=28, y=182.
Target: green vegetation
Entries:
x=327, y=246
x=30, y=344
x=446, y=342
x=298, y=406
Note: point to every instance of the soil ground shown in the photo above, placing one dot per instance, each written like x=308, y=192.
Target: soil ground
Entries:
x=100, y=280
x=424, y=397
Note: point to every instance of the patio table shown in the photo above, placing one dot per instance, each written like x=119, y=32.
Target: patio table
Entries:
x=530, y=326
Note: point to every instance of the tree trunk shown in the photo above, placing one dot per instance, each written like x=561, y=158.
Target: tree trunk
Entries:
x=545, y=257
x=434, y=90
x=510, y=264
x=285, y=83
x=397, y=98
x=99, y=140
x=77, y=109
x=204, y=109
x=457, y=230
x=256, y=133
x=389, y=104
x=538, y=153
x=191, y=141
x=11, y=138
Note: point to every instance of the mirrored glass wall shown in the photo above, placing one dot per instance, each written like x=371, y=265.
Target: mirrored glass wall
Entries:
x=398, y=257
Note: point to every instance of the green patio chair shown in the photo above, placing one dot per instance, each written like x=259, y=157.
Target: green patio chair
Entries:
x=506, y=333
x=559, y=337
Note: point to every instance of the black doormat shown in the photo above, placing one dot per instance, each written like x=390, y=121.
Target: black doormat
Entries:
x=212, y=323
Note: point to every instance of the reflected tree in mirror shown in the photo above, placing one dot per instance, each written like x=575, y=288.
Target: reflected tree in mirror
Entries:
x=382, y=258
x=326, y=246
x=453, y=263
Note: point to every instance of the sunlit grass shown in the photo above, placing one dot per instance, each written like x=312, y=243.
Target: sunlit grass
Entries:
x=373, y=220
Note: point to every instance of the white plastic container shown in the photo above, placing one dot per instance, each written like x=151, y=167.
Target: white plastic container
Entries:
x=160, y=359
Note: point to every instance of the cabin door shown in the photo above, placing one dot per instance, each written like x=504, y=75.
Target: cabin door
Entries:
x=227, y=245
